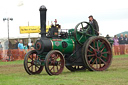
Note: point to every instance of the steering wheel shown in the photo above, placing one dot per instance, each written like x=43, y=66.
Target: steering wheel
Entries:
x=82, y=34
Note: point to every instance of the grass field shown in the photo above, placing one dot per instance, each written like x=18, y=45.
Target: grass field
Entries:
x=13, y=73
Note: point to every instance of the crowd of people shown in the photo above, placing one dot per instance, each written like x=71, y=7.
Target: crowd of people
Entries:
x=18, y=52
x=120, y=44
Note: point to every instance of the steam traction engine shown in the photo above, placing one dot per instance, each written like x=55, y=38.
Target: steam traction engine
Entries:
x=77, y=49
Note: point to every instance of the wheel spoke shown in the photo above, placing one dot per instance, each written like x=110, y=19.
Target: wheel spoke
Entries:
x=30, y=57
x=90, y=60
x=100, y=63
x=35, y=68
x=91, y=55
x=53, y=68
x=30, y=66
x=104, y=57
x=90, y=51
x=101, y=45
x=57, y=68
x=96, y=64
x=82, y=26
x=106, y=52
x=103, y=61
x=78, y=67
x=81, y=37
x=97, y=45
x=102, y=49
x=92, y=47
x=57, y=56
x=94, y=44
x=74, y=67
x=29, y=62
x=94, y=61
x=36, y=57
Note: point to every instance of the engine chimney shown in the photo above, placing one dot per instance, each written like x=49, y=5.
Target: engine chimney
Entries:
x=43, y=21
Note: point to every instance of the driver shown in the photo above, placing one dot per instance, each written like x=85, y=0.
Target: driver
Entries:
x=94, y=24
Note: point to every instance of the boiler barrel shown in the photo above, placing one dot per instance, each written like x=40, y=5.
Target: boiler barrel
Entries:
x=66, y=46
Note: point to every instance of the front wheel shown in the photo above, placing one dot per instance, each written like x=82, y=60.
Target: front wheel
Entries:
x=54, y=62
x=29, y=65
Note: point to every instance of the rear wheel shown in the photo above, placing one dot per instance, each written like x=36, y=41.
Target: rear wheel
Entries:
x=97, y=53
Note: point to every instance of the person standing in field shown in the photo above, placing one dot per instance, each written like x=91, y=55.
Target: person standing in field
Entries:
x=1, y=50
x=16, y=44
x=32, y=46
x=6, y=48
x=21, y=47
x=25, y=48
x=126, y=43
x=116, y=45
x=122, y=44
x=16, y=49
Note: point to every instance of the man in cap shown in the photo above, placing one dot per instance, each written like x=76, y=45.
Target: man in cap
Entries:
x=94, y=24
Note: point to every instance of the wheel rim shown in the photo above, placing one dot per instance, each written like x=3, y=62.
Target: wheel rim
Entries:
x=54, y=63
x=80, y=36
x=29, y=64
x=98, y=54
x=75, y=68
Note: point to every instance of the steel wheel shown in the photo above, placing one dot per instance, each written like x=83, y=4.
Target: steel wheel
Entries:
x=80, y=33
x=97, y=54
x=29, y=65
x=54, y=62
x=75, y=68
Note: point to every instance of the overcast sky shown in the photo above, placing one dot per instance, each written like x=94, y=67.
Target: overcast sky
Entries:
x=112, y=15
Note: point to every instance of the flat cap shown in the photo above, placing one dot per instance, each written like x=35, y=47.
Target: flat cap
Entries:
x=90, y=16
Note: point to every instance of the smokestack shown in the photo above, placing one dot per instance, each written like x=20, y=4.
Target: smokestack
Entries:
x=43, y=21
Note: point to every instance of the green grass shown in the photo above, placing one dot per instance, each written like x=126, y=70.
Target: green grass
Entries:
x=11, y=62
x=121, y=56
x=13, y=73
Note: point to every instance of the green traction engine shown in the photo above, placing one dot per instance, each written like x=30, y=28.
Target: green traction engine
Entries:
x=76, y=49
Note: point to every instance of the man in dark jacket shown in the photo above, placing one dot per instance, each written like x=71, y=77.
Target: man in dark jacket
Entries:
x=126, y=39
x=122, y=44
x=94, y=24
x=16, y=49
x=16, y=44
